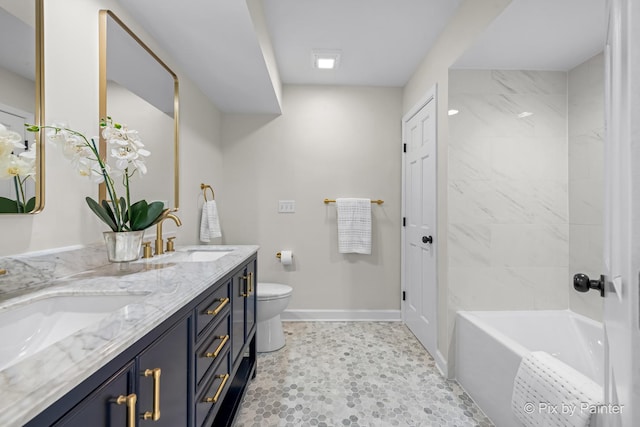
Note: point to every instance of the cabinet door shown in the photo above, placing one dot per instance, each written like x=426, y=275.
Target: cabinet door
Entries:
x=250, y=300
x=101, y=408
x=169, y=354
x=238, y=295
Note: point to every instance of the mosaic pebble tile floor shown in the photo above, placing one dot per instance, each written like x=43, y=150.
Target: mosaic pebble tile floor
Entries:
x=353, y=374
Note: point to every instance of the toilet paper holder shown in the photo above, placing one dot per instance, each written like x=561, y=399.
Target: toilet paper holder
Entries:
x=279, y=255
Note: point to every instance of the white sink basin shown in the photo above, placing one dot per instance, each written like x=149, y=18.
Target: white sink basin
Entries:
x=190, y=254
x=27, y=328
x=200, y=255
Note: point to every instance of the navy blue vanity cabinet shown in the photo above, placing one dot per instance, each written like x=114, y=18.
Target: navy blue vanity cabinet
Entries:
x=244, y=309
x=107, y=406
x=250, y=301
x=163, y=384
x=243, y=353
x=192, y=370
x=213, y=341
x=152, y=388
x=239, y=290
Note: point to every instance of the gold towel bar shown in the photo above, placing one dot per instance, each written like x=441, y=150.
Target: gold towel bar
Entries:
x=204, y=187
x=327, y=201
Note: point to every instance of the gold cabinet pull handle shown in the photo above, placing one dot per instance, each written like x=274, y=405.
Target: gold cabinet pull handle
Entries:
x=216, y=396
x=250, y=282
x=246, y=286
x=155, y=414
x=130, y=401
x=223, y=302
x=215, y=353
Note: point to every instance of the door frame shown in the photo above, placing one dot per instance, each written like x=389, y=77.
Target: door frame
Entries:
x=430, y=94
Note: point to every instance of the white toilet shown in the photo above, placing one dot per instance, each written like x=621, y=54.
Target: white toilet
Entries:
x=273, y=298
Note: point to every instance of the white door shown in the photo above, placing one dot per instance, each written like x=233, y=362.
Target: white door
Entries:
x=419, y=283
x=622, y=213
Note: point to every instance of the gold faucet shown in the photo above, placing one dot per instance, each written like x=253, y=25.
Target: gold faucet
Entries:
x=159, y=242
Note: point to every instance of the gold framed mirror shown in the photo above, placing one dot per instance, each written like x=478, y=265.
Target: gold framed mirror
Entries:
x=138, y=89
x=21, y=102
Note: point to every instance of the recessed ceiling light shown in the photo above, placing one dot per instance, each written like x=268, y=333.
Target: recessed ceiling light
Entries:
x=325, y=59
x=452, y=112
x=326, y=63
x=525, y=114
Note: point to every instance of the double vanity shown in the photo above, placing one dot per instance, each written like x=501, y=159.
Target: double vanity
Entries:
x=168, y=341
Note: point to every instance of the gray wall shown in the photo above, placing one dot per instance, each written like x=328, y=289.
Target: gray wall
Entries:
x=329, y=142
x=586, y=180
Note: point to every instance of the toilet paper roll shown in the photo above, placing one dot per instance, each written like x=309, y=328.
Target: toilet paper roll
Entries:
x=286, y=257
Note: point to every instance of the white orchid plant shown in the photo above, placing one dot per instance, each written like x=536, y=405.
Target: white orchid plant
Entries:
x=17, y=167
x=128, y=153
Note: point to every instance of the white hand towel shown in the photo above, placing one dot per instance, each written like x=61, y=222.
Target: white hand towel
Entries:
x=354, y=226
x=548, y=392
x=209, y=223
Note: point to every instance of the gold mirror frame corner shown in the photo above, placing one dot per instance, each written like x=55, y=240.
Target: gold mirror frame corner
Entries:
x=102, y=25
x=176, y=139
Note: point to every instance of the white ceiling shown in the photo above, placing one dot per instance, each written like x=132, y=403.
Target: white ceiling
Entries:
x=217, y=45
x=382, y=41
x=540, y=35
x=215, y=42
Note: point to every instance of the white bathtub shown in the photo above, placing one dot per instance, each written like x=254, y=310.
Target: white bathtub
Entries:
x=490, y=345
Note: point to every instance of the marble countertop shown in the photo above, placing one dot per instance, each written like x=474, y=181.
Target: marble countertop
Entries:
x=35, y=382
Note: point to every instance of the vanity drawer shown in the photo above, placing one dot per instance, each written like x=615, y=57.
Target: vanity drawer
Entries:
x=213, y=349
x=213, y=308
x=208, y=402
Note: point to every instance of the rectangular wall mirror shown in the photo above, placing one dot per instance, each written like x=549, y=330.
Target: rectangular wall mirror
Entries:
x=138, y=89
x=21, y=102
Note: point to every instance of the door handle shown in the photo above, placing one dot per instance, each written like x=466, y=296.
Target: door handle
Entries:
x=582, y=283
x=427, y=239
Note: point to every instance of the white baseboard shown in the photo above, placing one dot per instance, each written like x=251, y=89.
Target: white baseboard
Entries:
x=441, y=364
x=340, y=315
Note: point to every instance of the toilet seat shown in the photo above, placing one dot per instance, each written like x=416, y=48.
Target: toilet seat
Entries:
x=270, y=291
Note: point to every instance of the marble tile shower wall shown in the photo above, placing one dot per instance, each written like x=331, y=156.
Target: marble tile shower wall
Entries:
x=586, y=179
x=508, y=190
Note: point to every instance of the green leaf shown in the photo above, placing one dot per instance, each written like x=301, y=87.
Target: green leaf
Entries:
x=107, y=207
x=155, y=211
x=102, y=214
x=31, y=205
x=137, y=215
x=160, y=217
x=123, y=210
x=32, y=128
x=9, y=205
x=144, y=215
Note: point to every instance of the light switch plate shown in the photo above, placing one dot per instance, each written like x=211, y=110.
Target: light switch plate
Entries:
x=286, y=206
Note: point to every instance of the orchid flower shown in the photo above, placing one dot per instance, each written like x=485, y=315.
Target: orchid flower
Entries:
x=128, y=151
